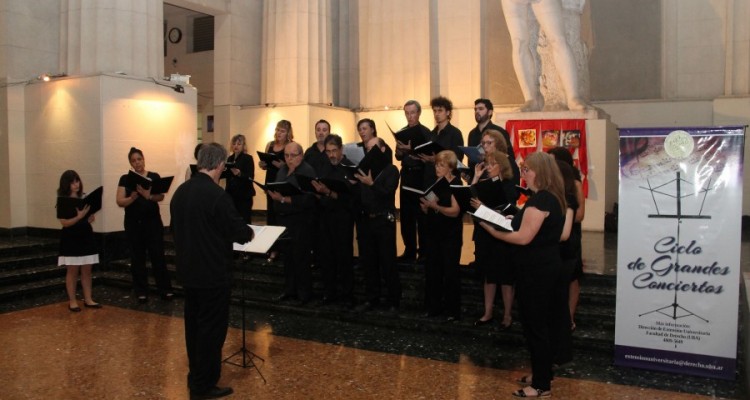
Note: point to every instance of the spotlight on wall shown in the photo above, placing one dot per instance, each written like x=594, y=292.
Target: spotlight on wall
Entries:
x=48, y=77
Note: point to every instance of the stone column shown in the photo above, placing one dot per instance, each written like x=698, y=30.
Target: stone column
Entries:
x=297, y=47
x=394, y=52
x=112, y=36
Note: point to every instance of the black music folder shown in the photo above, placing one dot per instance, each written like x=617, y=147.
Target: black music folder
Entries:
x=463, y=196
x=427, y=148
x=67, y=207
x=490, y=193
x=284, y=188
x=158, y=187
x=433, y=192
x=474, y=154
x=268, y=158
x=335, y=185
x=410, y=134
x=305, y=183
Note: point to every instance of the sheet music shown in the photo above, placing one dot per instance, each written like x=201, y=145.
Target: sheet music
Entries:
x=264, y=237
x=354, y=152
x=485, y=213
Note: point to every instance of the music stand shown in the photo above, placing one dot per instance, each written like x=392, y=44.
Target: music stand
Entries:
x=679, y=216
x=264, y=238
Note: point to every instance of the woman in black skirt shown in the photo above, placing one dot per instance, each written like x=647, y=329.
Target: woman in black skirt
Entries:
x=77, y=246
x=240, y=181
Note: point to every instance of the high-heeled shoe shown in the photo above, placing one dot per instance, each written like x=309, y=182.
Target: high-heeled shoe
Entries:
x=95, y=305
x=74, y=309
x=505, y=327
x=479, y=322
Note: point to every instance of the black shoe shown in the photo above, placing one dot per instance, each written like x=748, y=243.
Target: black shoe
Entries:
x=213, y=393
x=95, y=305
x=74, y=309
x=142, y=299
x=453, y=318
x=479, y=322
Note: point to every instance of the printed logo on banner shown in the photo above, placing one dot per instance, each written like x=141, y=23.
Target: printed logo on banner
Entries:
x=678, y=250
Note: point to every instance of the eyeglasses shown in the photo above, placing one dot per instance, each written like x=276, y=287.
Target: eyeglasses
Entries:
x=525, y=170
x=483, y=142
x=291, y=155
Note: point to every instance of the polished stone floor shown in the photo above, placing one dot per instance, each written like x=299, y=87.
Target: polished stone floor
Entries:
x=121, y=353
x=127, y=351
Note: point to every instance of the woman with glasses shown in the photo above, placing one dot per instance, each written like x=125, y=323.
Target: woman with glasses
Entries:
x=492, y=256
x=538, y=229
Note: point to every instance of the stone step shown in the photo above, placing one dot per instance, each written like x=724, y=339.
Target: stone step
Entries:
x=13, y=262
x=30, y=274
x=9, y=293
x=26, y=246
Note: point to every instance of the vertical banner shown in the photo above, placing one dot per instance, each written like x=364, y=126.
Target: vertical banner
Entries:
x=678, y=250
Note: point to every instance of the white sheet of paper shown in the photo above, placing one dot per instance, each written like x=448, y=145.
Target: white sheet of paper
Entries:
x=265, y=237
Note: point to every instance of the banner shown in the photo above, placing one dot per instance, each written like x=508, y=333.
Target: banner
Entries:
x=529, y=136
x=678, y=250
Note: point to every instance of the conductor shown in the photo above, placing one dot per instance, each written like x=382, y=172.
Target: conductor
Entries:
x=205, y=223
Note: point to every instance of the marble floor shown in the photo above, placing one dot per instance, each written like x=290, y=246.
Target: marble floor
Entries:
x=121, y=353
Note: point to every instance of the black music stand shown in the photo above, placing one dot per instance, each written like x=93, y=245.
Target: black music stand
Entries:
x=671, y=310
x=248, y=356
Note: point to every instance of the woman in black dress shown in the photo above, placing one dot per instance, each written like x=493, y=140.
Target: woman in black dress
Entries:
x=492, y=256
x=281, y=137
x=78, y=250
x=240, y=182
x=538, y=229
x=444, y=240
x=144, y=229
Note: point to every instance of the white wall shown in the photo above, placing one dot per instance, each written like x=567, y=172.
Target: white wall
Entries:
x=89, y=124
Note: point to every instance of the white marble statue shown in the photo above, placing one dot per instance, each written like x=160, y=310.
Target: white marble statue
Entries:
x=549, y=15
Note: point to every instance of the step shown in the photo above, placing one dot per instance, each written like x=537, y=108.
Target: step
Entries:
x=21, y=261
x=30, y=274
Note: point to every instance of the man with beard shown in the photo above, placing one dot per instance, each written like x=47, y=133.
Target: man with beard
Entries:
x=336, y=228
x=412, y=175
x=483, y=110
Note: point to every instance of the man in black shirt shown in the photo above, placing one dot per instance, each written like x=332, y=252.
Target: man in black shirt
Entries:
x=205, y=223
x=336, y=229
x=296, y=213
x=315, y=155
x=446, y=135
x=483, y=110
x=377, y=231
x=412, y=175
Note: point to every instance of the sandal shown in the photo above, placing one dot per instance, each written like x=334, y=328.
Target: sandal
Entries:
x=524, y=380
x=535, y=393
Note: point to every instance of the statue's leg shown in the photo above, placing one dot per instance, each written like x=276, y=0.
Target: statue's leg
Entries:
x=550, y=17
x=523, y=62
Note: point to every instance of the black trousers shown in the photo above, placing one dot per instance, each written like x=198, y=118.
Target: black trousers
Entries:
x=442, y=277
x=245, y=208
x=296, y=248
x=539, y=289
x=147, y=236
x=206, y=321
x=377, y=254
x=410, y=215
x=336, y=236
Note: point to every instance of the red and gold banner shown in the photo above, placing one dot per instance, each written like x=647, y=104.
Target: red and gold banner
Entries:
x=530, y=135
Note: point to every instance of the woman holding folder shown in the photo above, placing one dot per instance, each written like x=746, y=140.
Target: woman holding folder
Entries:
x=492, y=256
x=241, y=168
x=144, y=228
x=281, y=137
x=537, y=231
x=444, y=241
x=77, y=246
